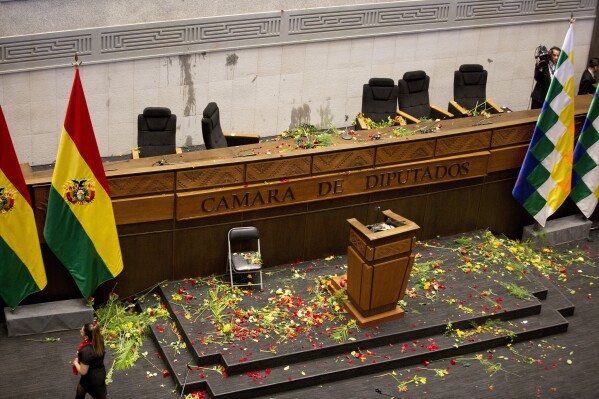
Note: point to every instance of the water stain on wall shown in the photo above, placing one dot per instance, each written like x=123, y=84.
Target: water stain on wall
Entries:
x=230, y=63
x=186, y=81
x=300, y=115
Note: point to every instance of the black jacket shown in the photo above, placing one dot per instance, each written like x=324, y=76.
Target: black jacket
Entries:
x=586, y=83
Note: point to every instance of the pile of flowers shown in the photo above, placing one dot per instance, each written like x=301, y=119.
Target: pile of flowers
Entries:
x=368, y=123
x=251, y=257
x=124, y=329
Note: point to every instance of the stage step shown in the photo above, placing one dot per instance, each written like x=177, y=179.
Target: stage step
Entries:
x=46, y=317
x=468, y=298
x=326, y=369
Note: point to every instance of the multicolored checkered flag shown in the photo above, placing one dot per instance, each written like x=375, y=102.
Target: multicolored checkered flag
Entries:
x=545, y=178
x=585, y=174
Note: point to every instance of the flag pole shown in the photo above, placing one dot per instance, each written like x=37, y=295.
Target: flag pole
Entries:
x=76, y=63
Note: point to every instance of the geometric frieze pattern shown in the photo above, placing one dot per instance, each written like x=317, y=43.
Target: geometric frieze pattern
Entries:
x=405, y=152
x=275, y=28
x=475, y=9
x=135, y=185
x=209, y=177
x=464, y=143
x=20, y=50
x=512, y=135
x=278, y=169
x=343, y=160
x=138, y=39
x=397, y=14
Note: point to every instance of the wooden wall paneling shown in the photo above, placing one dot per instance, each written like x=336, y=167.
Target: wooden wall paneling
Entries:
x=201, y=251
x=149, y=208
x=452, y=209
x=327, y=231
x=141, y=184
x=147, y=260
x=281, y=238
x=507, y=158
x=39, y=199
x=501, y=212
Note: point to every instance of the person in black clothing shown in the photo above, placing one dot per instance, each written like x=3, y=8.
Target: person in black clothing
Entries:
x=89, y=362
x=588, y=83
x=544, y=69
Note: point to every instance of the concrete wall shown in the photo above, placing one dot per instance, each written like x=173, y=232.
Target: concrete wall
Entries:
x=262, y=89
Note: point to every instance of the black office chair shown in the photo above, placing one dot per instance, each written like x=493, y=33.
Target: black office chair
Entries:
x=413, y=98
x=470, y=92
x=156, y=133
x=213, y=132
x=246, y=262
x=379, y=99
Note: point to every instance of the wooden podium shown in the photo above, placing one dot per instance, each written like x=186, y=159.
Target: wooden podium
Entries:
x=379, y=262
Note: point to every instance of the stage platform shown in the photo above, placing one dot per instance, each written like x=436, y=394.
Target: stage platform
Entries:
x=460, y=301
x=463, y=332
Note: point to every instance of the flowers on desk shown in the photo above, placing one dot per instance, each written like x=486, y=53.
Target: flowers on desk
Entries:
x=367, y=123
x=308, y=136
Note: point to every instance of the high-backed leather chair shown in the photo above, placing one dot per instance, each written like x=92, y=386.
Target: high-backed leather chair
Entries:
x=413, y=98
x=213, y=132
x=470, y=92
x=379, y=99
x=156, y=132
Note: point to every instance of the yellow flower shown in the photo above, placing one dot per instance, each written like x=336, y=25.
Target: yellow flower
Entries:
x=226, y=328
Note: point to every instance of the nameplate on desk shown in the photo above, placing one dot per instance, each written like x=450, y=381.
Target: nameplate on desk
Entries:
x=204, y=203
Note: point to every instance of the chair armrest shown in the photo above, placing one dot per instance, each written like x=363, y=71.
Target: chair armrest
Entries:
x=235, y=139
x=457, y=109
x=439, y=113
x=409, y=118
x=495, y=109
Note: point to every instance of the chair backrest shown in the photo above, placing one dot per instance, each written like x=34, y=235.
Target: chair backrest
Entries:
x=211, y=129
x=413, y=97
x=244, y=233
x=379, y=99
x=470, y=86
x=156, y=132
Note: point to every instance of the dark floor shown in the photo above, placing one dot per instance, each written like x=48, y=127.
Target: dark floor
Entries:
x=564, y=366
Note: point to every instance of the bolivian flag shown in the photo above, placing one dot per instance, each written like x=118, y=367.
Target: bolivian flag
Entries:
x=80, y=227
x=21, y=265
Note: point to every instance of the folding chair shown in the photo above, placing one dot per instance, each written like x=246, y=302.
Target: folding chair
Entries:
x=246, y=262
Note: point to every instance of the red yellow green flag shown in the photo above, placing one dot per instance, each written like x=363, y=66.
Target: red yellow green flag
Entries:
x=21, y=266
x=80, y=227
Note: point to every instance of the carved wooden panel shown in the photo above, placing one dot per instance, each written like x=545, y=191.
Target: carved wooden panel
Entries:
x=393, y=249
x=343, y=160
x=144, y=209
x=405, y=152
x=277, y=169
x=141, y=184
x=512, y=135
x=465, y=143
x=360, y=245
x=210, y=177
